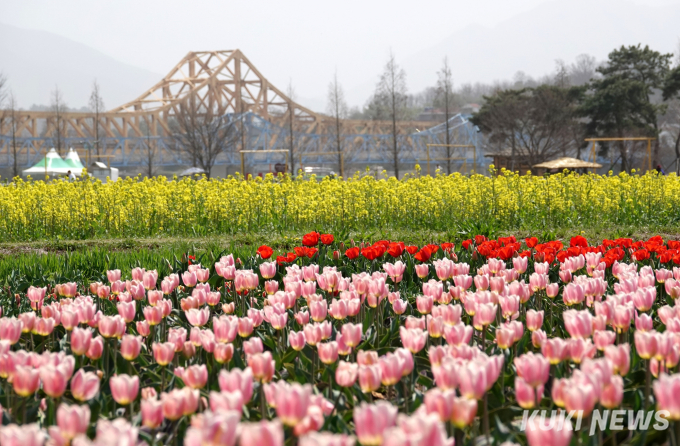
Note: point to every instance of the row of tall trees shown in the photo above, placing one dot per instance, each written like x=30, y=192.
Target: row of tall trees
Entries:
x=627, y=96
x=392, y=103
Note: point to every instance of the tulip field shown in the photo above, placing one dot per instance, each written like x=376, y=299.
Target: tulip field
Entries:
x=158, y=207
x=371, y=343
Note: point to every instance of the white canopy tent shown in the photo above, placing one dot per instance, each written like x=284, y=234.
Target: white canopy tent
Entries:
x=53, y=164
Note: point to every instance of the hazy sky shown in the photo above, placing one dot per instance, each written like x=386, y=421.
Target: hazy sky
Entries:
x=300, y=41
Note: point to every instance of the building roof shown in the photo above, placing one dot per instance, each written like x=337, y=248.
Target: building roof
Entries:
x=568, y=163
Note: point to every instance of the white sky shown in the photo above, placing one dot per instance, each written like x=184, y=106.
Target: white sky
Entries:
x=299, y=40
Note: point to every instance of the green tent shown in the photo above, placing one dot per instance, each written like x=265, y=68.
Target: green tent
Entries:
x=55, y=166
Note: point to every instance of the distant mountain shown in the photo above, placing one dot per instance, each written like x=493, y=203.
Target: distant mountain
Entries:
x=531, y=42
x=35, y=61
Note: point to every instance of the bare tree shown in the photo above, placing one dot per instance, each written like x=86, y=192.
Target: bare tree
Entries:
x=150, y=150
x=583, y=69
x=3, y=89
x=97, y=106
x=446, y=98
x=10, y=113
x=58, y=108
x=337, y=107
x=392, y=95
x=203, y=133
x=291, y=117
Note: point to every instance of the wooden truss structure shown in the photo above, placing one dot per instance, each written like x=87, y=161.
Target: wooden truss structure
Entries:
x=224, y=82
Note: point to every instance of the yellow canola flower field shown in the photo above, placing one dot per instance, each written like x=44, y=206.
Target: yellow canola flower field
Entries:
x=136, y=207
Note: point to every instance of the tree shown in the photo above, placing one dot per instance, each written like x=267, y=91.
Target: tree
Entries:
x=671, y=94
x=150, y=150
x=620, y=103
x=58, y=108
x=445, y=99
x=202, y=133
x=3, y=89
x=337, y=108
x=97, y=106
x=11, y=116
x=582, y=70
x=291, y=119
x=391, y=95
x=536, y=123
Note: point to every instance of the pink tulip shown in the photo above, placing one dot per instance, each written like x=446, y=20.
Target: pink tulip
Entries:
x=339, y=309
x=72, y=420
x=666, y=390
x=422, y=270
x=126, y=310
x=10, y=329
x=369, y=377
x=195, y=376
x=424, y=304
x=25, y=380
x=96, y=348
x=24, y=435
x=328, y=352
x=619, y=355
x=472, y=380
x=253, y=346
x=318, y=310
x=579, y=324
x=534, y=369
x=53, y=379
x=163, y=353
x=302, y=317
x=124, y=388
x=538, y=338
x=268, y=270
x=458, y=334
x=225, y=328
x=80, y=340
x=143, y=328
x=189, y=279
x=152, y=413
x=645, y=344
x=643, y=322
x=198, y=318
x=463, y=412
x=580, y=349
x=149, y=280
x=544, y=431
x=603, y=338
x=237, y=380
x=413, y=339
x=485, y=314
x=612, y=393
x=534, y=320
x=292, y=402
x=580, y=397
x=226, y=401
x=262, y=365
x=371, y=421
x=111, y=326
x=28, y=321
x=351, y=334
x=526, y=395
x=264, y=433
x=84, y=385
x=296, y=340
x=509, y=305
x=346, y=373
x=222, y=352
x=391, y=366
x=552, y=290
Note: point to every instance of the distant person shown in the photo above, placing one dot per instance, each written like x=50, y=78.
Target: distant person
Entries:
x=660, y=169
x=71, y=176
